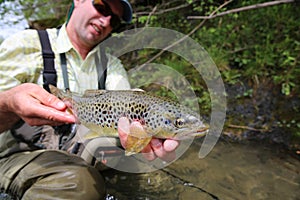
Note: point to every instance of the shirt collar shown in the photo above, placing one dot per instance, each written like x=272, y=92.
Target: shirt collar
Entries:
x=63, y=42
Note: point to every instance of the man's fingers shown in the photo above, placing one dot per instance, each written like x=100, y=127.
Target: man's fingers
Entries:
x=123, y=129
x=157, y=147
x=148, y=153
x=165, y=150
x=170, y=145
x=48, y=99
x=41, y=115
x=40, y=122
x=52, y=101
x=32, y=103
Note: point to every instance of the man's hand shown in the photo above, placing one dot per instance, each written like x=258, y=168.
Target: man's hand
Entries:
x=34, y=105
x=164, y=149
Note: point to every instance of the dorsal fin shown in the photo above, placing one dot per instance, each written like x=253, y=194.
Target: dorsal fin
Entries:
x=137, y=90
x=92, y=93
x=58, y=92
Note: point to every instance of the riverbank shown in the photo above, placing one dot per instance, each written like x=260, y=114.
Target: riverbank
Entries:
x=259, y=111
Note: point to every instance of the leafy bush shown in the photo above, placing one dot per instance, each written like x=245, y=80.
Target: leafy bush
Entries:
x=262, y=43
x=255, y=44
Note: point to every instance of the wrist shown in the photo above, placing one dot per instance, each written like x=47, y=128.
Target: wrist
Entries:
x=7, y=117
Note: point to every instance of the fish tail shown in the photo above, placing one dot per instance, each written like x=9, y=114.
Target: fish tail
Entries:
x=57, y=92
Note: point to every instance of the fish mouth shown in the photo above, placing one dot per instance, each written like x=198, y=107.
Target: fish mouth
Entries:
x=188, y=134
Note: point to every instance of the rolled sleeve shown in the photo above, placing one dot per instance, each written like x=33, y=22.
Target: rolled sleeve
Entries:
x=19, y=60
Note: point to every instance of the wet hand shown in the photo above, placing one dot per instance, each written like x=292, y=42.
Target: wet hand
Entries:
x=163, y=149
x=35, y=105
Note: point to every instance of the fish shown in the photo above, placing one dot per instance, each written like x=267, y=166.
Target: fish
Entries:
x=160, y=117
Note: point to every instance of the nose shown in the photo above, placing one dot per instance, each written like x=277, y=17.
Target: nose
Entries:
x=105, y=21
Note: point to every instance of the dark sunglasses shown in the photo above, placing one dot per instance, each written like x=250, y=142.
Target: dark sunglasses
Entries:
x=103, y=8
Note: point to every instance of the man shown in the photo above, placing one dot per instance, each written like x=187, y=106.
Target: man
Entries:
x=32, y=173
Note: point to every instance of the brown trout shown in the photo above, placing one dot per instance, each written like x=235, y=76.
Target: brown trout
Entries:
x=100, y=110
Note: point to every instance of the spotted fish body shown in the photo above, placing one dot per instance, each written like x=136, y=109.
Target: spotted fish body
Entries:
x=100, y=110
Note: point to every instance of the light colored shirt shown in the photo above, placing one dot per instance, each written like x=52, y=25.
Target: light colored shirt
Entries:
x=21, y=62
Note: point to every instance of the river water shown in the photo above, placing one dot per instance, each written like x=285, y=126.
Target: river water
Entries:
x=247, y=171
x=252, y=170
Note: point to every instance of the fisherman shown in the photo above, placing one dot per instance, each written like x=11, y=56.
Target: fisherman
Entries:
x=32, y=166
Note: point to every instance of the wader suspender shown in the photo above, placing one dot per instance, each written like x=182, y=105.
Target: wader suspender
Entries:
x=49, y=72
x=68, y=131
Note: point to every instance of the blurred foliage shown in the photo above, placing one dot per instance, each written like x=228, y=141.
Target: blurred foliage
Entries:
x=261, y=43
x=39, y=14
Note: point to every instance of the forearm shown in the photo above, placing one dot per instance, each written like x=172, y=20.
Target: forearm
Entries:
x=7, y=121
x=7, y=118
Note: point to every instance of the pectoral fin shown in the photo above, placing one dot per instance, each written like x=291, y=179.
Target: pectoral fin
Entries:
x=91, y=135
x=137, y=140
x=99, y=131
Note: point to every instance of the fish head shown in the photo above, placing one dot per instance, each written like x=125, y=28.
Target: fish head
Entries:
x=188, y=126
x=182, y=125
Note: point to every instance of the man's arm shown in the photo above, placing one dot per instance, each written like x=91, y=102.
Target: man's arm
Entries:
x=34, y=105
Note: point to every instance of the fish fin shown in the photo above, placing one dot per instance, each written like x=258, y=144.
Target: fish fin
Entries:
x=135, y=145
x=92, y=93
x=91, y=135
x=55, y=91
x=61, y=94
x=137, y=140
x=137, y=90
x=99, y=131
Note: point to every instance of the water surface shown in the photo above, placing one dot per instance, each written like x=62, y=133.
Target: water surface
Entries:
x=251, y=170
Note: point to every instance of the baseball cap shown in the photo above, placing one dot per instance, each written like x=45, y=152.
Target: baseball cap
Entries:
x=127, y=12
x=127, y=15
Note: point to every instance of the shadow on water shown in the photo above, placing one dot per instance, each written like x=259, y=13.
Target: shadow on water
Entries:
x=230, y=171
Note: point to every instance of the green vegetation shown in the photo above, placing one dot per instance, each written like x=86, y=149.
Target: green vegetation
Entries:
x=253, y=45
x=40, y=14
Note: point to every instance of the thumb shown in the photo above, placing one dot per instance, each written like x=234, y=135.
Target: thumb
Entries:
x=123, y=129
x=50, y=100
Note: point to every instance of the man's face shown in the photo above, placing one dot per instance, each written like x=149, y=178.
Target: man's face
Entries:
x=89, y=24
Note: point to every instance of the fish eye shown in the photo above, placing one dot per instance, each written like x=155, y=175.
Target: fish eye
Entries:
x=179, y=122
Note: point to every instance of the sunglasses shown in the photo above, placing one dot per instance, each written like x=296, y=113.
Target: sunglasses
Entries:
x=103, y=8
